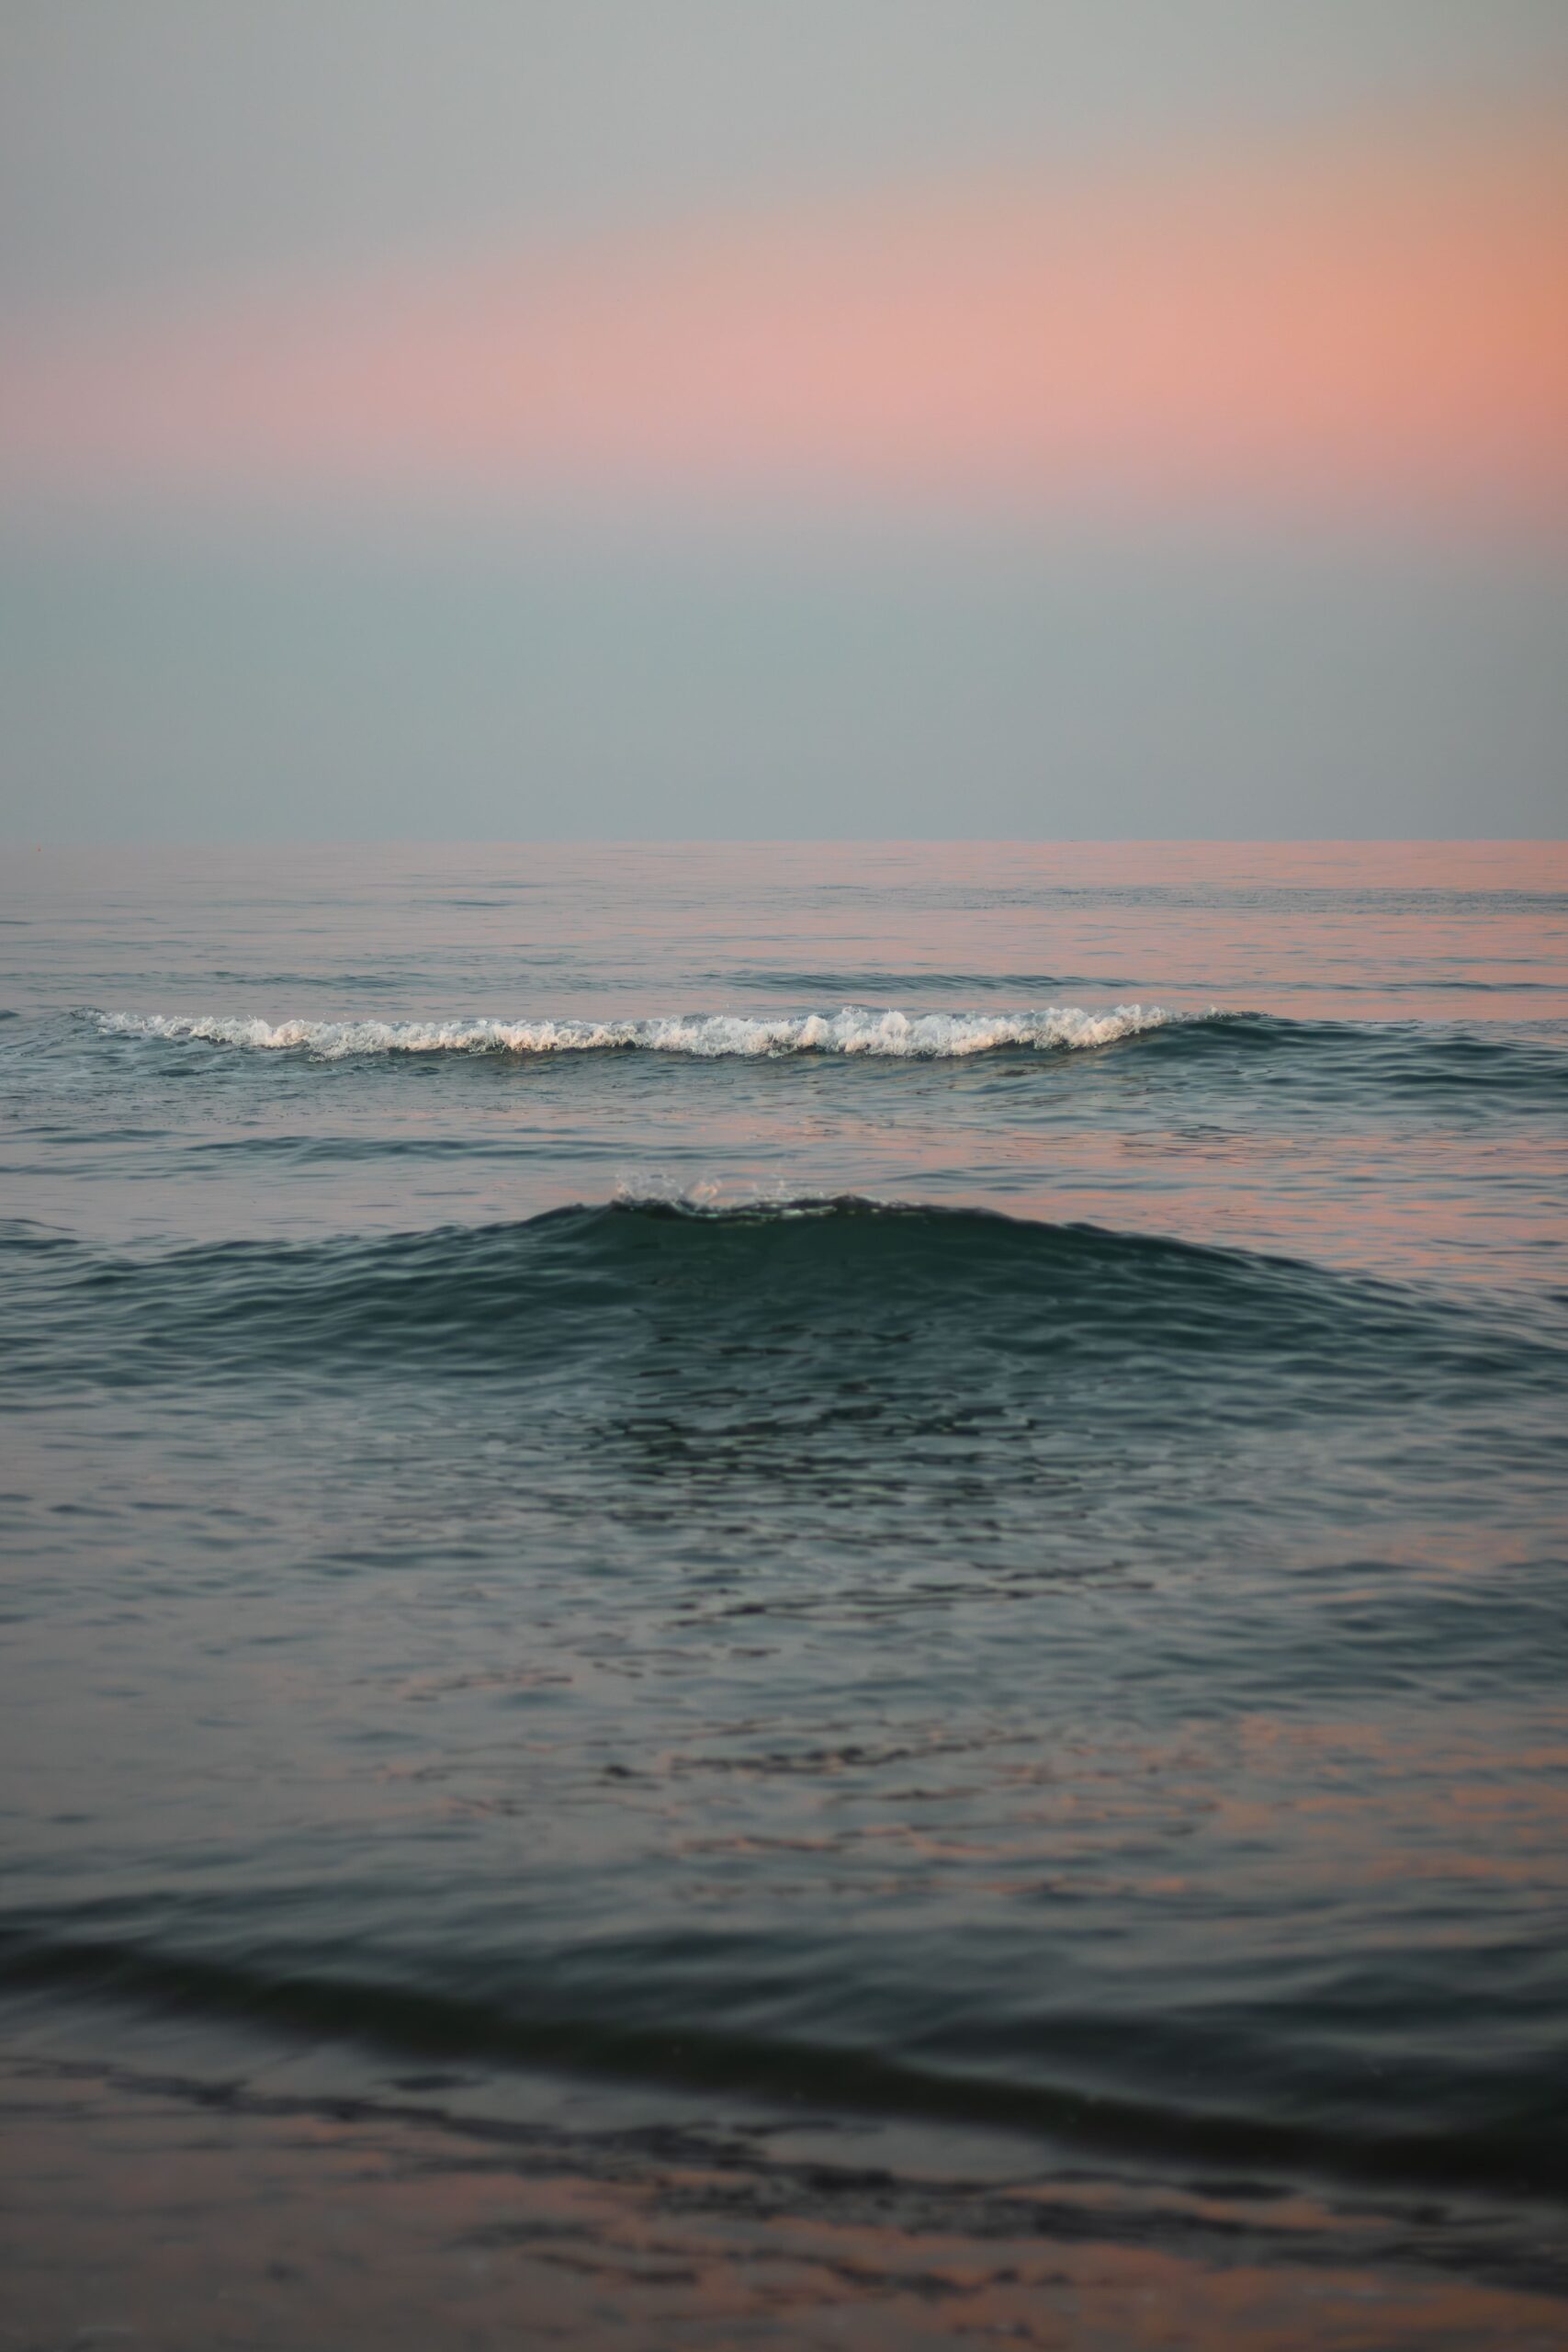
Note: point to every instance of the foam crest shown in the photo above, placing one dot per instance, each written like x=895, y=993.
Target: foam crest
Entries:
x=855, y=1029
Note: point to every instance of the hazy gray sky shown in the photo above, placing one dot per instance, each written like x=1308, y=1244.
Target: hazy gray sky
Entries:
x=147, y=143
x=175, y=673
x=489, y=693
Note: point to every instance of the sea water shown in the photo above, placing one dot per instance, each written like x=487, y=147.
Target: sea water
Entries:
x=908, y=1494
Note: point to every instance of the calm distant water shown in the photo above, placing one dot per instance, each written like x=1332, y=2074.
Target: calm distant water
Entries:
x=917, y=1488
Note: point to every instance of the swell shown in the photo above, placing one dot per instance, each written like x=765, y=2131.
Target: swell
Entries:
x=1507, y=2153
x=804, y=1288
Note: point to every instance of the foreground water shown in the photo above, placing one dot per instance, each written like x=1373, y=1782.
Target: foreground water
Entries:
x=899, y=1500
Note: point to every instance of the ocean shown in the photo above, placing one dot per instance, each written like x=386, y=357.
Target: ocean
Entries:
x=800, y=1593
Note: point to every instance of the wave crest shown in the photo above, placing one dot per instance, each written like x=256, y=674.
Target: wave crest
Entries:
x=854, y=1029
x=962, y=1296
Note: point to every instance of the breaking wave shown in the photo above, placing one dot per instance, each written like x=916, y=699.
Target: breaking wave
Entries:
x=854, y=1029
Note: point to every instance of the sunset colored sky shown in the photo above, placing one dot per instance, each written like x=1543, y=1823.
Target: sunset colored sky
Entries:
x=1024, y=418
x=1371, y=310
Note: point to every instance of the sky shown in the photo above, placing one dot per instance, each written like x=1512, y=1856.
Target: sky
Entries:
x=767, y=418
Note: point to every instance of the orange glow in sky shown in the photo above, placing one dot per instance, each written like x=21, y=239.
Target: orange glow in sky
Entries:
x=1381, y=316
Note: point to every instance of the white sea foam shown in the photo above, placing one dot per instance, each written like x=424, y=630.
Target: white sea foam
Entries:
x=856, y=1029
x=727, y=1195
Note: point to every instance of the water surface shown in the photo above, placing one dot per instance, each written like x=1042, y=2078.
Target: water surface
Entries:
x=890, y=1496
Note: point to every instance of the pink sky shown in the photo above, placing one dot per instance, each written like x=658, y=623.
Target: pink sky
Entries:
x=1372, y=316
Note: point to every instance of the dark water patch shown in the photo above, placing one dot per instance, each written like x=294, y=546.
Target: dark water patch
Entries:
x=305, y=1150
x=858, y=984
x=1382, y=1065
x=828, y=1289
x=1238, y=899
x=386, y=974
x=22, y=1233
x=1506, y=2151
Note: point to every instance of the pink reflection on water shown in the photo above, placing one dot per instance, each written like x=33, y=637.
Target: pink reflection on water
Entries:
x=1244, y=924
x=132, y=2211
x=1457, y=935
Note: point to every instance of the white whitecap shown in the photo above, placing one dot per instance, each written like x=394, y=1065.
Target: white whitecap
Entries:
x=854, y=1029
